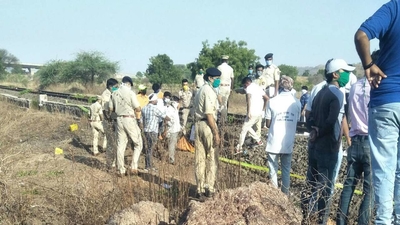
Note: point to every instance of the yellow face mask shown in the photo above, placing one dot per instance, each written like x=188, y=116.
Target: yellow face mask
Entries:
x=185, y=88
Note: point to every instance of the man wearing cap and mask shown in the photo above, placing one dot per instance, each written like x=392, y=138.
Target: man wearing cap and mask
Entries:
x=96, y=118
x=109, y=123
x=325, y=125
x=271, y=75
x=207, y=136
x=124, y=103
x=226, y=85
x=282, y=115
x=185, y=98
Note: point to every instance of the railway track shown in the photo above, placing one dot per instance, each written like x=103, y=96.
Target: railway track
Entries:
x=77, y=97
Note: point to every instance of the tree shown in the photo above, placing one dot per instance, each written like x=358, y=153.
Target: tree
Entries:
x=6, y=60
x=162, y=70
x=306, y=73
x=240, y=57
x=88, y=68
x=51, y=73
x=288, y=70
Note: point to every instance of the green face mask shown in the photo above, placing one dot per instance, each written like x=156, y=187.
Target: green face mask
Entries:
x=344, y=78
x=216, y=83
x=114, y=89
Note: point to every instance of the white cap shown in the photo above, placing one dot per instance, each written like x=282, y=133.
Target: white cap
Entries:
x=153, y=97
x=337, y=64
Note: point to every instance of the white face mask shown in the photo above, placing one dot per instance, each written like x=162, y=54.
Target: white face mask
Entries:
x=268, y=62
x=303, y=91
x=175, y=105
x=167, y=100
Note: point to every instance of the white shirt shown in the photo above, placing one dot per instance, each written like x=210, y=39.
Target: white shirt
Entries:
x=199, y=80
x=256, y=99
x=226, y=73
x=174, y=125
x=284, y=112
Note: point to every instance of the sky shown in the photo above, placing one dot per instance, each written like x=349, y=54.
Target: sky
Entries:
x=299, y=33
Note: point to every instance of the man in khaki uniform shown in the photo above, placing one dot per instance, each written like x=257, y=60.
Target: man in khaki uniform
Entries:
x=207, y=136
x=96, y=118
x=185, y=98
x=226, y=85
x=124, y=103
x=272, y=76
x=108, y=123
x=199, y=80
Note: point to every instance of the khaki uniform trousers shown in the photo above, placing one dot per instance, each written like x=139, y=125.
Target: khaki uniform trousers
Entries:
x=185, y=115
x=205, y=158
x=111, y=152
x=97, y=127
x=248, y=128
x=224, y=91
x=127, y=127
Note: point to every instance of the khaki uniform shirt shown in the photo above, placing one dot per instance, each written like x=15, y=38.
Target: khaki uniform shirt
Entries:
x=124, y=101
x=271, y=74
x=95, y=111
x=186, y=97
x=199, y=80
x=106, y=95
x=206, y=102
x=226, y=74
x=143, y=101
x=261, y=82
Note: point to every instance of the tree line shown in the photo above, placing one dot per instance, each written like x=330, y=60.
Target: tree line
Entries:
x=89, y=68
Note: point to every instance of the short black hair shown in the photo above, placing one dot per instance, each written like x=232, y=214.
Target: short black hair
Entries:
x=246, y=79
x=175, y=98
x=156, y=86
x=304, y=87
x=111, y=82
x=184, y=80
x=258, y=66
x=167, y=94
x=251, y=66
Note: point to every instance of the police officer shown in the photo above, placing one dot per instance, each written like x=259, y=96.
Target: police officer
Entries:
x=226, y=85
x=207, y=136
x=96, y=118
x=108, y=123
x=271, y=74
x=124, y=103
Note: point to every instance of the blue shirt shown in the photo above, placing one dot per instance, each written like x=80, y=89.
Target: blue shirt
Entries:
x=304, y=100
x=385, y=25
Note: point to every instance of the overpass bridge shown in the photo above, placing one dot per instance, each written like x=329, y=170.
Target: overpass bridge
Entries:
x=28, y=66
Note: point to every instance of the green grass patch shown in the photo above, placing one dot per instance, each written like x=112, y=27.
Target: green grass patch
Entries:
x=26, y=91
x=32, y=192
x=27, y=173
x=55, y=173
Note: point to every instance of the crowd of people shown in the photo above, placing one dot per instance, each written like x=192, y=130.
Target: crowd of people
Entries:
x=363, y=112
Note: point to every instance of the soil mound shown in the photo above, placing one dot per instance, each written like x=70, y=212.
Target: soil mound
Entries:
x=142, y=213
x=259, y=203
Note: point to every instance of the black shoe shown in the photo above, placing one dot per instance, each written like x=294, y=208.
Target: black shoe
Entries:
x=201, y=197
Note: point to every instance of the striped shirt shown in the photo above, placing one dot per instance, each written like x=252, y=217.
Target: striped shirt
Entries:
x=150, y=116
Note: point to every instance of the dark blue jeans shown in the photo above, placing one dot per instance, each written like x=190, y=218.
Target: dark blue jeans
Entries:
x=320, y=173
x=358, y=162
x=151, y=138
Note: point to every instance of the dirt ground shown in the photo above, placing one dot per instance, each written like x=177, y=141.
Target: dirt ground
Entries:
x=38, y=186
